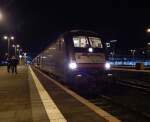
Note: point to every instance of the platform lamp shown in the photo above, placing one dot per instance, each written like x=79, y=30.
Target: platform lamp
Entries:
x=8, y=39
x=113, y=46
x=16, y=46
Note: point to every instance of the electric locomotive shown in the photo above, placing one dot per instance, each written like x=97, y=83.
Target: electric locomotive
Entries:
x=76, y=53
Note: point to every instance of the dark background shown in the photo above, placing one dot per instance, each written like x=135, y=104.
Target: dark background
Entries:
x=34, y=23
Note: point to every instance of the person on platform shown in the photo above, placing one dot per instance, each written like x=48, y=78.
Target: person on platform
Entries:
x=8, y=64
x=14, y=63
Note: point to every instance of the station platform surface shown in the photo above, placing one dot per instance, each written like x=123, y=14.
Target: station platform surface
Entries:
x=14, y=96
x=30, y=96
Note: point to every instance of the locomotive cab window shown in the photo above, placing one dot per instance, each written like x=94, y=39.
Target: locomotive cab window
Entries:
x=85, y=42
x=80, y=41
x=95, y=42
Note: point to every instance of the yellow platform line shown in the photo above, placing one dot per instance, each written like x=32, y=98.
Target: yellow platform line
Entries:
x=90, y=105
x=51, y=109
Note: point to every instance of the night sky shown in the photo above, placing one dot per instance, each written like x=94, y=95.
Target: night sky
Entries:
x=36, y=23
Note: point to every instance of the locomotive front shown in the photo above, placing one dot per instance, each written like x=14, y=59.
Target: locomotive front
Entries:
x=86, y=54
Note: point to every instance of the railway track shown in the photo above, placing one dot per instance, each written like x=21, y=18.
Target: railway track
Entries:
x=119, y=109
x=135, y=84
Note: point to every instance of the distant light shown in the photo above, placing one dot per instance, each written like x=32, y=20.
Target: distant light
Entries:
x=5, y=37
x=20, y=56
x=143, y=52
x=13, y=45
x=79, y=75
x=44, y=57
x=132, y=51
x=25, y=54
x=148, y=30
x=111, y=53
x=18, y=45
x=148, y=43
x=90, y=50
x=52, y=48
x=112, y=41
x=12, y=38
x=107, y=44
x=109, y=75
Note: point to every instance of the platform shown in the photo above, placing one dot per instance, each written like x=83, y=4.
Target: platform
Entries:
x=14, y=96
x=31, y=96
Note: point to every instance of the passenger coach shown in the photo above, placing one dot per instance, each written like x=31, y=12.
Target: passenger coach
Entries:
x=74, y=54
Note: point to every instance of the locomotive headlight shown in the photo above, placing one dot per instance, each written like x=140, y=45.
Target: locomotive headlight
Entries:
x=72, y=65
x=107, y=66
x=90, y=50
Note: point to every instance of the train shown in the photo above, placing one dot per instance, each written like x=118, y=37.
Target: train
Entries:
x=74, y=54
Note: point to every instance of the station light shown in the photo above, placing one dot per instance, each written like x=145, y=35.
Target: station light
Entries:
x=43, y=57
x=107, y=44
x=20, y=56
x=72, y=65
x=5, y=37
x=90, y=50
x=18, y=45
x=113, y=41
x=25, y=53
x=79, y=75
x=143, y=52
x=12, y=38
x=148, y=30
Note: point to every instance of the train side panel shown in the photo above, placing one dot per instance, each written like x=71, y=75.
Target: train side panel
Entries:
x=54, y=58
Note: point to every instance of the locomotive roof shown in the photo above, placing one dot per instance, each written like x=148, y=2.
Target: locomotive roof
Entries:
x=77, y=33
x=81, y=32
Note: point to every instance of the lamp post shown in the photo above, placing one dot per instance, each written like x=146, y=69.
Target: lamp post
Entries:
x=20, y=56
x=20, y=59
x=1, y=16
x=25, y=57
x=16, y=46
x=8, y=39
x=112, y=55
x=133, y=53
x=112, y=43
x=18, y=50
